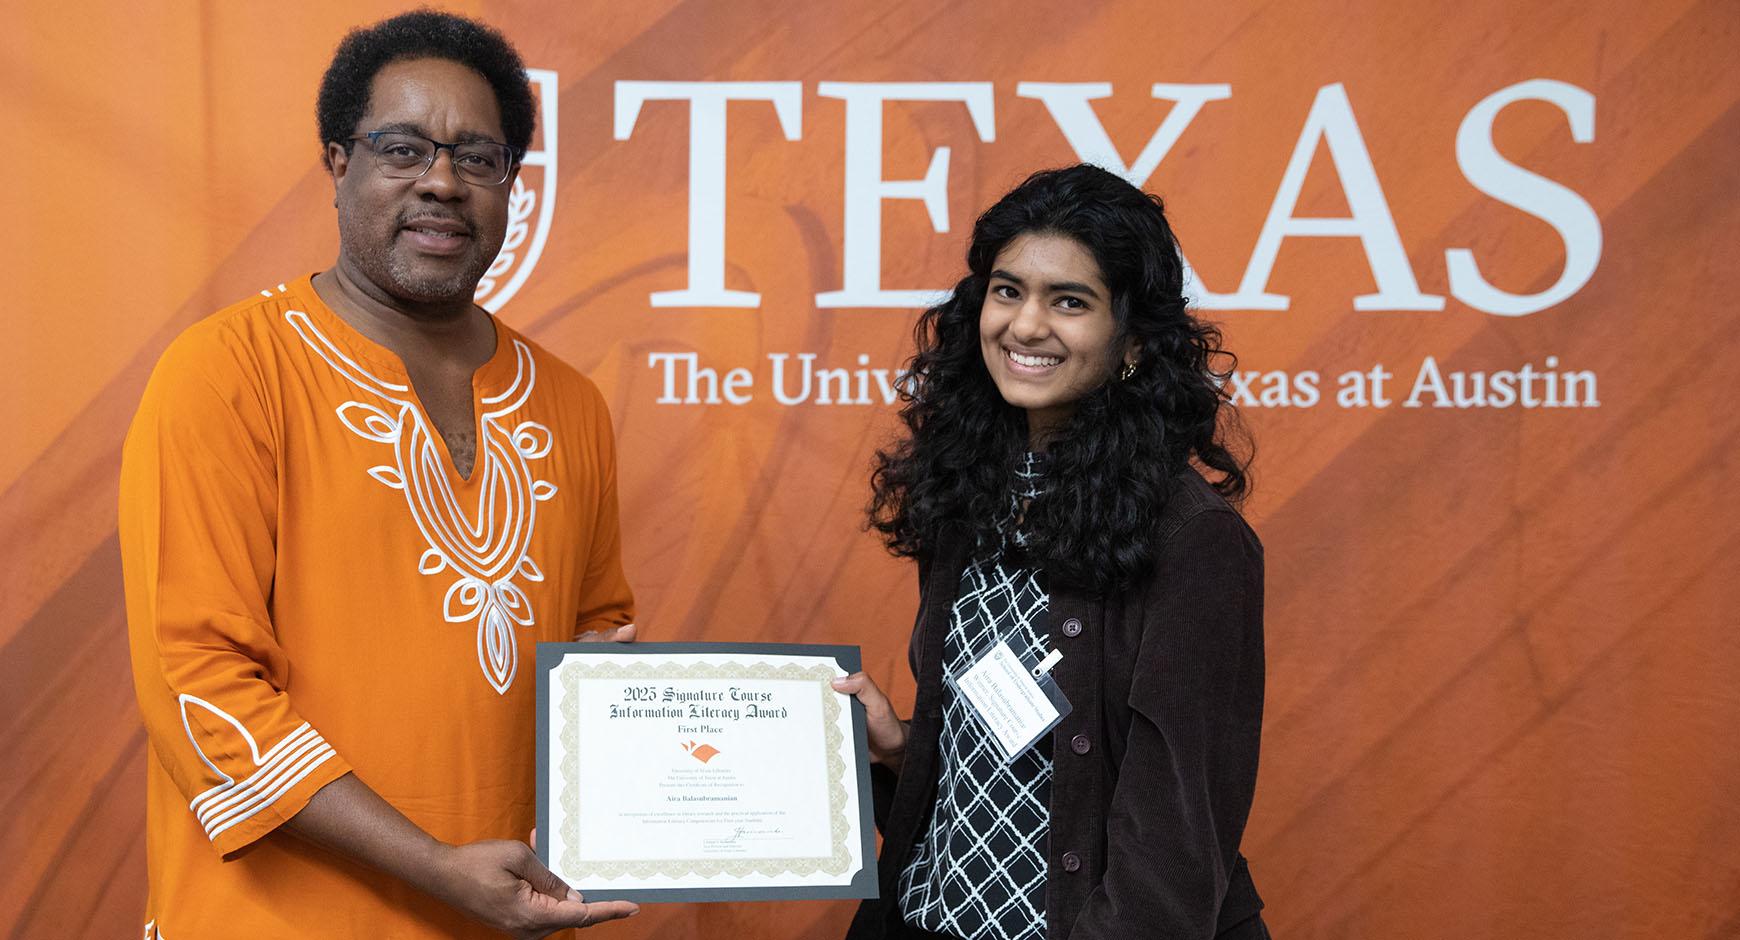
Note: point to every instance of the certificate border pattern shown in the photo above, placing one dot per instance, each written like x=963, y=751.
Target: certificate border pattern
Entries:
x=836, y=863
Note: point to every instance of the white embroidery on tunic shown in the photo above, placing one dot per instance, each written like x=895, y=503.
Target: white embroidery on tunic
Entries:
x=277, y=770
x=486, y=548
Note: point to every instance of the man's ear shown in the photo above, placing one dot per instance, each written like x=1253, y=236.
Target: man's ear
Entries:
x=336, y=159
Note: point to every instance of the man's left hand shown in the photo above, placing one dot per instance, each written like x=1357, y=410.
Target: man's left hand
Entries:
x=622, y=634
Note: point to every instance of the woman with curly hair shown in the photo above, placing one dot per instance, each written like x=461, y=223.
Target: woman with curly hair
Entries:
x=1066, y=485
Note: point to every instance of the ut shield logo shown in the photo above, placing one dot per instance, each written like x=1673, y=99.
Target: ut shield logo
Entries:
x=530, y=204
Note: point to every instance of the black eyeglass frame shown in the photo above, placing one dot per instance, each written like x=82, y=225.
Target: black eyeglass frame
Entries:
x=514, y=157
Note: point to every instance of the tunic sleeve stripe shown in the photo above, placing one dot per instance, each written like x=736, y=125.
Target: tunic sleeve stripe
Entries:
x=275, y=770
x=302, y=769
x=206, y=803
x=264, y=785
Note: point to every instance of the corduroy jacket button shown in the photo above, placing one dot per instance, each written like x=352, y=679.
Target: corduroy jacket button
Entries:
x=1071, y=861
x=1080, y=744
x=1072, y=627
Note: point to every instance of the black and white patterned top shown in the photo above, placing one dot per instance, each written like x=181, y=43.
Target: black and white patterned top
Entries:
x=979, y=870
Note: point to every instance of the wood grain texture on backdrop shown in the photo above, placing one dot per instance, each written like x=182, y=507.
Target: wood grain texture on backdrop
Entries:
x=1501, y=654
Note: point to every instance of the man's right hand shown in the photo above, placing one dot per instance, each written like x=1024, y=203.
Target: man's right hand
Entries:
x=504, y=885
x=500, y=883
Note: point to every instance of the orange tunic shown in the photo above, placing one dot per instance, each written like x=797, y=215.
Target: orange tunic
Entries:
x=312, y=589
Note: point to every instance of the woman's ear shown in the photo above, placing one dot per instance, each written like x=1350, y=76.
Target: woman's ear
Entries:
x=1132, y=356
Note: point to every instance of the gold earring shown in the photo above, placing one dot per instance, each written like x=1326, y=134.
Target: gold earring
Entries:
x=1129, y=370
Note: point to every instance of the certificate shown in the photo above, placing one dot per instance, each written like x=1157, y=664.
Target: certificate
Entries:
x=703, y=772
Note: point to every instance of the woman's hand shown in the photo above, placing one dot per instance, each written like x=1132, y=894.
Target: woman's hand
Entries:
x=886, y=732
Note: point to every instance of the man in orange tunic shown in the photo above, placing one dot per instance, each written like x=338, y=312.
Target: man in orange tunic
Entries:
x=349, y=508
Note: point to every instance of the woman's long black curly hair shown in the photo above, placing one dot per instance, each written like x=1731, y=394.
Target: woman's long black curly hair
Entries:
x=1109, y=468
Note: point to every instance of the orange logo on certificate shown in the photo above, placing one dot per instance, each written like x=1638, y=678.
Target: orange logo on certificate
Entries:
x=699, y=751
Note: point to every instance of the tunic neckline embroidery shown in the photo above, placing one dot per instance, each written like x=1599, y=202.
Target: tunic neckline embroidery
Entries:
x=487, y=548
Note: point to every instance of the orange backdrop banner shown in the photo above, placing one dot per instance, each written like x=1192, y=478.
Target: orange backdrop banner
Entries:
x=1476, y=259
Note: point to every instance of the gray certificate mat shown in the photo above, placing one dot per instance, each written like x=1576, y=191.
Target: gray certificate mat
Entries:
x=703, y=772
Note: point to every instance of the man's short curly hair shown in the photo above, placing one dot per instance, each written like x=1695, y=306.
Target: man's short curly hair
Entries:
x=344, y=89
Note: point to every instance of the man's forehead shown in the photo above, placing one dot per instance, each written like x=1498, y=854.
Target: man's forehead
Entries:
x=431, y=96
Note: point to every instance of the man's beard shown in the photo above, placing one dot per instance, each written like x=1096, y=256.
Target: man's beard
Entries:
x=395, y=269
x=428, y=286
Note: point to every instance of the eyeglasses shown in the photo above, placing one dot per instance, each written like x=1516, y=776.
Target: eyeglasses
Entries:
x=403, y=156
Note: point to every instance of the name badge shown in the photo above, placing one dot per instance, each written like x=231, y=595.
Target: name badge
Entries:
x=1018, y=704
